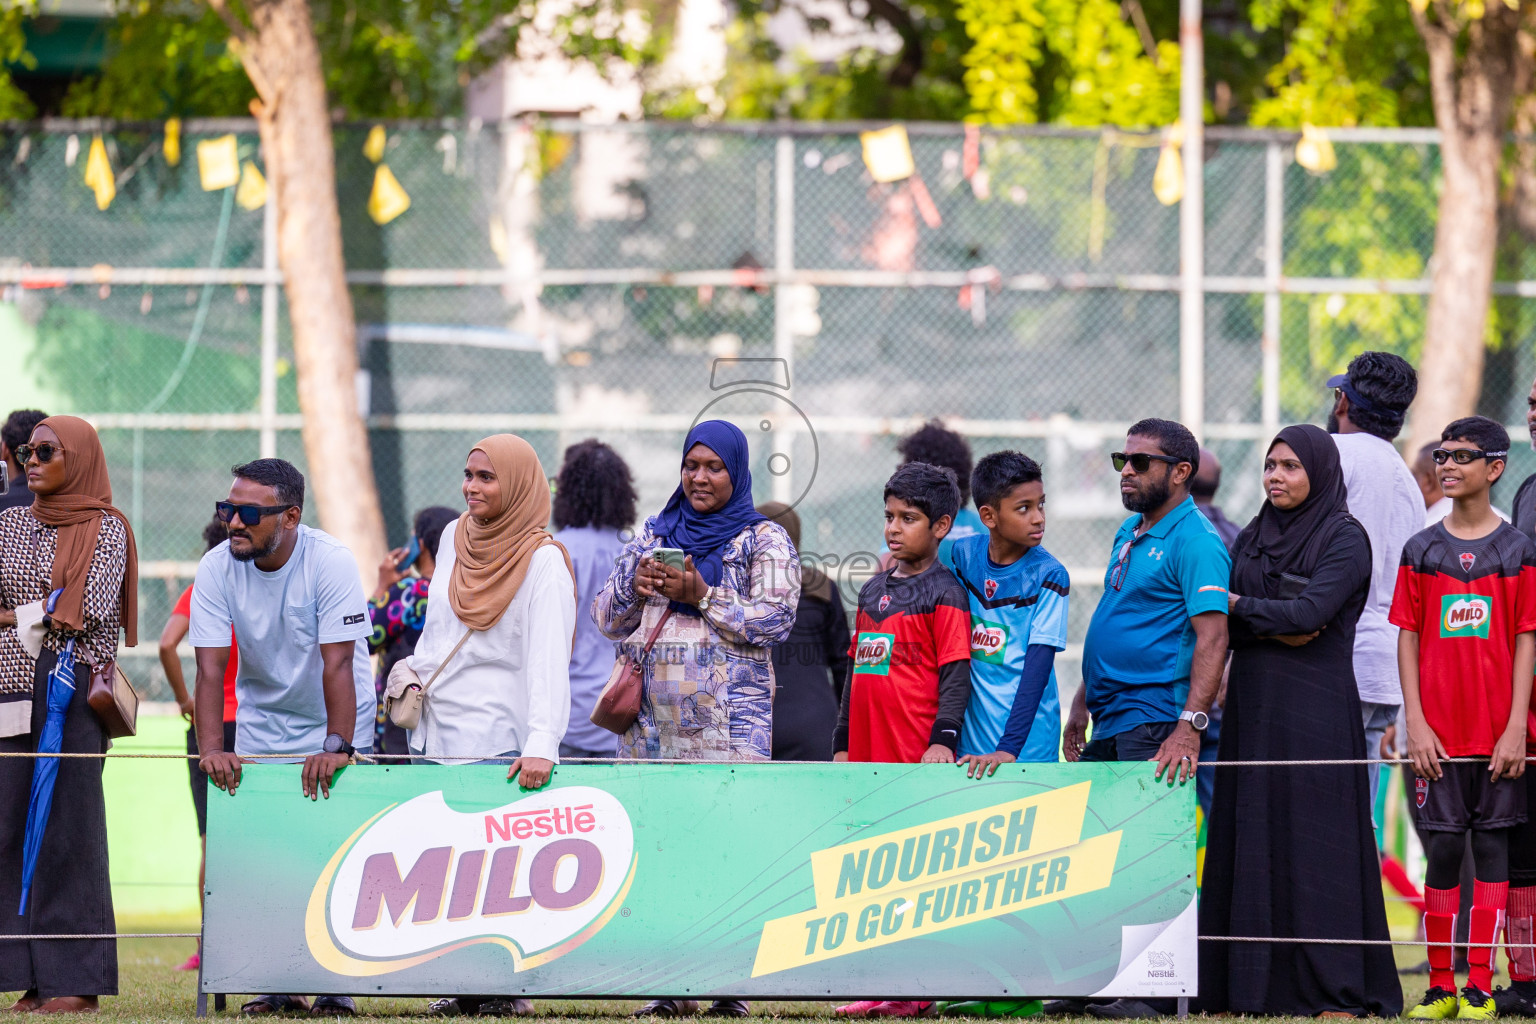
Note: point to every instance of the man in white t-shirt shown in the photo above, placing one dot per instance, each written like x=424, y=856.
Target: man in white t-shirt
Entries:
x=295, y=600
x=1371, y=400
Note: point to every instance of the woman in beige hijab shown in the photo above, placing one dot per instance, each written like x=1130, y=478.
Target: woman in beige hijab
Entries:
x=505, y=694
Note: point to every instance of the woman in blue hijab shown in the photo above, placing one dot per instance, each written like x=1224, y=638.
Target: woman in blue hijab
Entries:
x=709, y=680
x=708, y=683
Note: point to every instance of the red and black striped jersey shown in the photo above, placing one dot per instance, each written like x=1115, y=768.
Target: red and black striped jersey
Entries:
x=907, y=628
x=1467, y=600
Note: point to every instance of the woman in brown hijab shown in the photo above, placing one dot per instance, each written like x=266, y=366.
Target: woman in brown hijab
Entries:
x=73, y=541
x=810, y=667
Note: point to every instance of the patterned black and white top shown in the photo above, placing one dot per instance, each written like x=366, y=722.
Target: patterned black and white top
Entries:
x=26, y=570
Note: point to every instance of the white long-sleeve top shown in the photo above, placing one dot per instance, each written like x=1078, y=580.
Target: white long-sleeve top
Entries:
x=509, y=687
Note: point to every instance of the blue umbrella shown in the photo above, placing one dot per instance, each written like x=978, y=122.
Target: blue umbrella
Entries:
x=45, y=770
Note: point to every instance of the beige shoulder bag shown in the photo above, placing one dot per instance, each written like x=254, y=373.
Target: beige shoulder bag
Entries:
x=405, y=693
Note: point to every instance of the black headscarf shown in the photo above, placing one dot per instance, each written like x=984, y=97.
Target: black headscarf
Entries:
x=1292, y=540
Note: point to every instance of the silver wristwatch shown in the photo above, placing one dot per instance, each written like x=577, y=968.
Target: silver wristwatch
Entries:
x=1198, y=719
x=704, y=601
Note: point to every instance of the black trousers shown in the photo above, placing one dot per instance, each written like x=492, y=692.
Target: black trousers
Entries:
x=71, y=891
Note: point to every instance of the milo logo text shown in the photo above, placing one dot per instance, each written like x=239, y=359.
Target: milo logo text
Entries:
x=537, y=877
x=872, y=654
x=989, y=641
x=1465, y=615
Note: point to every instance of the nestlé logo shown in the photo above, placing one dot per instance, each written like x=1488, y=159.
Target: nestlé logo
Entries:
x=538, y=877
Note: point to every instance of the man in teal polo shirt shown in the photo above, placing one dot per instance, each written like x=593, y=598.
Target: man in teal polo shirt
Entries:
x=1156, y=647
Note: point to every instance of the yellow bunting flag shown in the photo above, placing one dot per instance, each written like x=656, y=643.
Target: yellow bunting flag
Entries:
x=98, y=174
x=888, y=154
x=252, y=193
x=172, y=147
x=1168, y=178
x=388, y=199
x=218, y=163
x=373, y=149
x=1315, y=151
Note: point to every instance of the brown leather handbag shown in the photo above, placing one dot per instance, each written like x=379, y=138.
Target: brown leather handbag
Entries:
x=619, y=704
x=114, y=700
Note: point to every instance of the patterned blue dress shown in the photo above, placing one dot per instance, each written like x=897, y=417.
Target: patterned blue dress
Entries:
x=709, y=680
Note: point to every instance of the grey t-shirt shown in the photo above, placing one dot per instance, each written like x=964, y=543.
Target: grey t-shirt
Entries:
x=1387, y=501
x=280, y=619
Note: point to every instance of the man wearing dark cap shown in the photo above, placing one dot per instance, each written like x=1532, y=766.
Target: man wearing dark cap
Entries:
x=1371, y=399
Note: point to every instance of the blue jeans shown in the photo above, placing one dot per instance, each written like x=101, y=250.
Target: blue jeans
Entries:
x=1375, y=718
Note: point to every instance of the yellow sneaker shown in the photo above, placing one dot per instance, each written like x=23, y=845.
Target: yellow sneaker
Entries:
x=1476, y=1005
x=1437, y=1004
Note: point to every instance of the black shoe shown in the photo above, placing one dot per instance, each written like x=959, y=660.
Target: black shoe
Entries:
x=1124, y=1009
x=1066, y=1007
x=668, y=1008
x=450, y=1007
x=729, y=1008
x=1512, y=1002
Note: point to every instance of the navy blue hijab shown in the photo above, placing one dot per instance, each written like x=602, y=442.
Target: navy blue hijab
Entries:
x=704, y=535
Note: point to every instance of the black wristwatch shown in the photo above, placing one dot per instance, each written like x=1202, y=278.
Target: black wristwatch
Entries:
x=334, y=744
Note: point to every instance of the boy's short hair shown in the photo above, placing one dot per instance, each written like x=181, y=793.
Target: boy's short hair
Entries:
x=937, y=445
x=1489, y=435
x=1173, y=438
x=999, y=473
x=932, y=490
x=282, y=476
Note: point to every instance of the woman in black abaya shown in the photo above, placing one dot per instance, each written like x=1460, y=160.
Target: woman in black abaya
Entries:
x=1291, y=851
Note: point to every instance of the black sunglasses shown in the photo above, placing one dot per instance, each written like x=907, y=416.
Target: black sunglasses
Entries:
x=250, y=515
x=1463, y=456
x=1140, y=461
x=44, y=452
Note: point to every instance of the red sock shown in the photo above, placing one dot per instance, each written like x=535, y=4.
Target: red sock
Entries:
x=1520, y=929
x=1488, y=900
x=1440, y=907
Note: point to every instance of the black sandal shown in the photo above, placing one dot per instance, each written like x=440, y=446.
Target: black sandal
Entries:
x=262, y=1005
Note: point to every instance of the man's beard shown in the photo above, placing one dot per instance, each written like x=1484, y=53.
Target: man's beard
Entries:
x=255, y=552
x=1333, y=423
x=1151, y=496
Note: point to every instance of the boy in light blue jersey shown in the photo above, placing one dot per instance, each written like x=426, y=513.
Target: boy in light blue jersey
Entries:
x=1018, y=598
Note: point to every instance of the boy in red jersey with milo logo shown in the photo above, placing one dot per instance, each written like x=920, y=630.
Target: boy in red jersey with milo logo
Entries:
x=905, y=698
x=1466, y=606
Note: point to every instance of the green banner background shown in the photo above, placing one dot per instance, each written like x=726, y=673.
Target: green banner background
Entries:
x=719, y=851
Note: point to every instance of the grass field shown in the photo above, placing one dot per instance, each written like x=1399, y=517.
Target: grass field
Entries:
x=152, y=990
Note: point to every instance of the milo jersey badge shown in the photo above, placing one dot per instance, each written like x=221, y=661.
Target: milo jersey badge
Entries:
x=1465, y=615
x=872, y=656
x=989, y=641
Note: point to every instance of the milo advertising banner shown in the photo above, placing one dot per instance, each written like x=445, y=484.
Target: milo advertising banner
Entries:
x=789, y=881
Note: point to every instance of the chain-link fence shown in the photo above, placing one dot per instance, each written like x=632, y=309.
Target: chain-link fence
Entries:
x=565, y=281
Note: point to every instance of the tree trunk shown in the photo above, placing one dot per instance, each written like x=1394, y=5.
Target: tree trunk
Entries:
x=281, y=56
x=1472, y=92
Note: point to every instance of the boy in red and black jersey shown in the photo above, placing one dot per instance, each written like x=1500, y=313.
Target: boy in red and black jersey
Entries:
x=1466, y=605
x=911, y=679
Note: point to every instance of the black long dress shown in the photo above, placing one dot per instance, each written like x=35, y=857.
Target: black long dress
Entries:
x=1291, y=851
x=809, y=671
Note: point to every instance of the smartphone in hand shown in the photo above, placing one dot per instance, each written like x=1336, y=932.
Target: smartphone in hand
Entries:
x=669, y=556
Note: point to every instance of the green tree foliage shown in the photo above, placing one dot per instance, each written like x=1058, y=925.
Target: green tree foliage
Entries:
x=382, y=58
x=1346, y=62
x=1067, y=61
x=13, y=51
